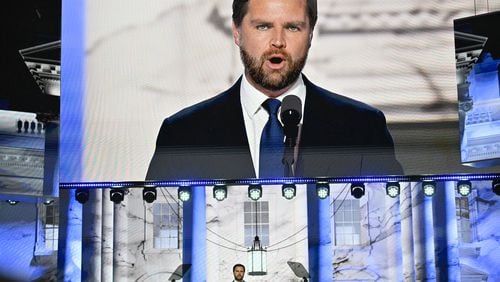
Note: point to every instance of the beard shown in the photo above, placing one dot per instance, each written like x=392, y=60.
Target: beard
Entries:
x=272, y=80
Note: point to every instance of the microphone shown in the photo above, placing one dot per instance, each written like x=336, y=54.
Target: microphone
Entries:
x=291, y=113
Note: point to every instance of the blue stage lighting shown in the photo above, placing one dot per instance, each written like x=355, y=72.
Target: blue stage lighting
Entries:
x=288, y=191
x=117, y=194
x=429, y=188
x=464, y=187
x=220, y=192
x=149, y=193
x=323, y=189
x=357, y=190
x=495, y=185
x=393, y=189
x=255, y=191
x=184, y=193
x=12, y=202
x=82, y=195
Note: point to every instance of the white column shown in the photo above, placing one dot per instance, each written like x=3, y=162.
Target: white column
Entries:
x=394, y=252
x=452, y=233
x=423, y=235
x=91, y=237
x=69, y=254
x=107, y=237
x=407, y=233
x=445, y=231
x=120, y=241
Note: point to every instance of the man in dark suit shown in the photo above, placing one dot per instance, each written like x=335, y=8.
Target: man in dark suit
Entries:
x=217, y=138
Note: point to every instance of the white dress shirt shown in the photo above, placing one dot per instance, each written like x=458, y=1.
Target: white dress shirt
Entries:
x=255, y=116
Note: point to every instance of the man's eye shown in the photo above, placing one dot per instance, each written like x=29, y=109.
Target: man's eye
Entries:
x=293, y=28
x=262, y=27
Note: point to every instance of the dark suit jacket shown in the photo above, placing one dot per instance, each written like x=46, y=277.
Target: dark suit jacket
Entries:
x=339, y=137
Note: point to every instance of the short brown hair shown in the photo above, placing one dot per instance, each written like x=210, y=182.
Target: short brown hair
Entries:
x=238, y=265
x=240, y=9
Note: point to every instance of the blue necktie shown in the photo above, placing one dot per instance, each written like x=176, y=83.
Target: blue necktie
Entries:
x=271, y=143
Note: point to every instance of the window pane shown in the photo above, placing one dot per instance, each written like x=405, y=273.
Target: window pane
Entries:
x=249, y=231
x=165, y=225
x=355, y=239
x=248, y=217
x=463, y=223
x=340, y=240
x=165, y=220
x=346, y=205
x=357, y=228
x=339, y=217
x=347, y=222
x=341, y=229
x=174, y=220
x=264, y=229
x=50, y=214
x=262, y=215
x=348, y=217
x=156, y=208
x=247, y=207
x=355, y=215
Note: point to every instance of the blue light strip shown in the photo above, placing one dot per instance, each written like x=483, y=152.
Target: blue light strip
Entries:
x=279, y=181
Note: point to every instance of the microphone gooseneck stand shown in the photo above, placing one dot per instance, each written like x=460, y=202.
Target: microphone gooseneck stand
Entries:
x=288, y=156
x=291, y=113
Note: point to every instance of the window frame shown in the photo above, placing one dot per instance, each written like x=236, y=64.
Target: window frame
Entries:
x=335, y=224
x=262, y=227
x=149, y=237
x=170, y=226
x=41, y=247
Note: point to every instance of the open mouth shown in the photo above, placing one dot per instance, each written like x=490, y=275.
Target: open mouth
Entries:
x=276, y=60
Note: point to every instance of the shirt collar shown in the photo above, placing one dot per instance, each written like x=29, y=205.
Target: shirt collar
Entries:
x=252, y=99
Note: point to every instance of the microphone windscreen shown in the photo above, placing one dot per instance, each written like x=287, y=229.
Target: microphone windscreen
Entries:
x=291, y=110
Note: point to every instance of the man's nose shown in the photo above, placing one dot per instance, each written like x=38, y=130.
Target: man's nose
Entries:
x=278, y=40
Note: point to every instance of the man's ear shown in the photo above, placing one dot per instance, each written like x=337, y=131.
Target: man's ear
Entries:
x=310, y=38
x=236, y=34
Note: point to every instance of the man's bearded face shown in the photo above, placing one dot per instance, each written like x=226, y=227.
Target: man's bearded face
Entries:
x=274, y=39
x=273, y=79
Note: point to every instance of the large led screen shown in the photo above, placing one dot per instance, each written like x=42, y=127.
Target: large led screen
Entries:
x=127, y=66
x=477, y=47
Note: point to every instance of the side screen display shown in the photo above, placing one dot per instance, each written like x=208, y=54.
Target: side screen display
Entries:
x=477, y=49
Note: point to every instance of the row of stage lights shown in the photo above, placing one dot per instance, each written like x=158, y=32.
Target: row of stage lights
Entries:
x=288, y=191
x=47, y=202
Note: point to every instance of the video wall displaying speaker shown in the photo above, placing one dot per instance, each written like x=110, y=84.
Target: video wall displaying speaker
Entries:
x=123, y=74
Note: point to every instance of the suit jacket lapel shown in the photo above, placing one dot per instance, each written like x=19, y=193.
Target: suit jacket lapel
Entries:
x=232, y=134
x=323, y=149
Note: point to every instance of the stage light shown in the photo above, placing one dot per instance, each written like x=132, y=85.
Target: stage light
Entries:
x=495, y=185
x=82, y=195
x=220, y=192
x=255, y=191
x=12, y=202
x=392, y=189
x=429, y=188
x=48, y=202
x=464, y=187
x=357, y=190
x=184, y=193
x=149, y=193
x=288, y=191
x=323, y=190
x=117, y=194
